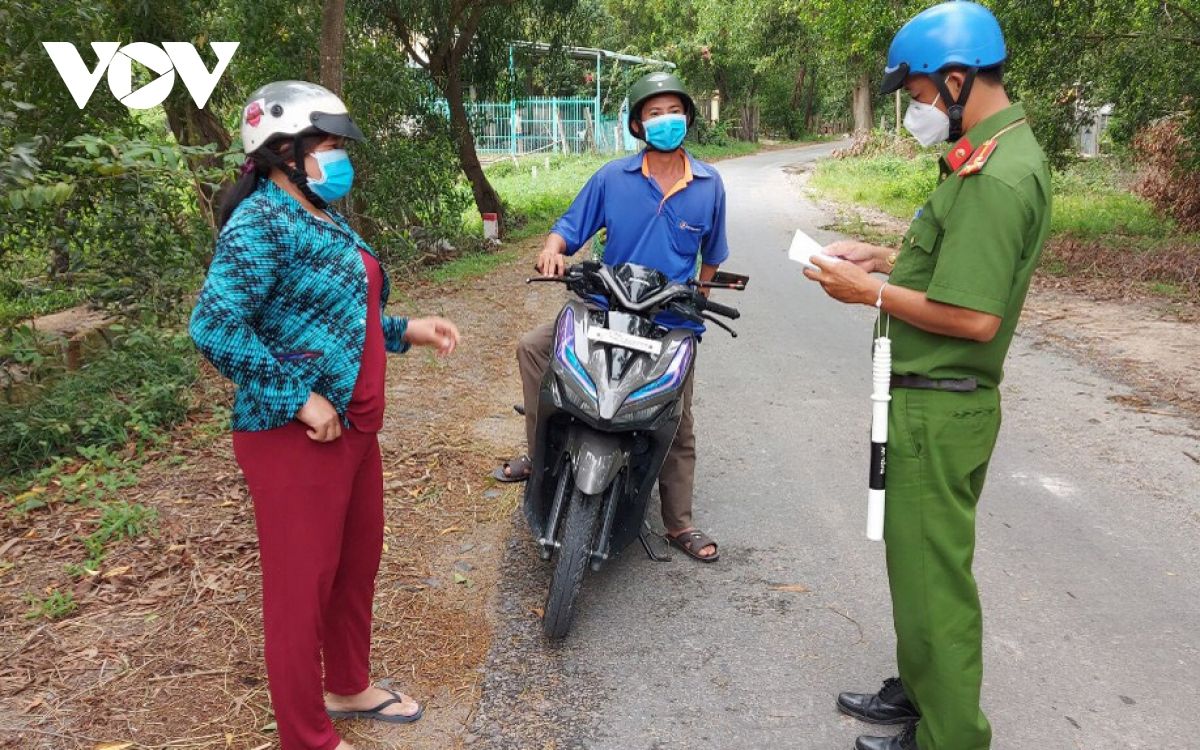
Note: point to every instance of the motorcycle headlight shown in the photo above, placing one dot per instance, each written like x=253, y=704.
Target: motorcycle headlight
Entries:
x=565, y=353
x=672, y=378
x=629, y=416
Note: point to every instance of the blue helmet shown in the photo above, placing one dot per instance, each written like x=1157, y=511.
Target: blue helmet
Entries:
x=959, y=33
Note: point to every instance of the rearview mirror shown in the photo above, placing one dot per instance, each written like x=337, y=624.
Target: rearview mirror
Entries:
x=734, y=280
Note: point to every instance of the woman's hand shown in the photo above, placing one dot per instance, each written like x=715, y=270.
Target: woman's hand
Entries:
x=438, y=333
x=867, y=257
x=845, y=281
x=321, y=417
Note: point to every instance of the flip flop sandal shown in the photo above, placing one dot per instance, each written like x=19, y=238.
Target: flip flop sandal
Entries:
x=691, y=542
x=519, y=470
x=376, y=714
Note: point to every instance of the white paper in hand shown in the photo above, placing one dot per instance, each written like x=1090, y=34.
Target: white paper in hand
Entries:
x=804, y=248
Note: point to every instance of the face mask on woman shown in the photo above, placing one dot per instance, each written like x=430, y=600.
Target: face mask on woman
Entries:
x=927, y=123
x=337, y=174
x=665, y=132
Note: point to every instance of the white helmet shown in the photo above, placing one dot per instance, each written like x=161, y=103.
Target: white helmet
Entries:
x=291, y=108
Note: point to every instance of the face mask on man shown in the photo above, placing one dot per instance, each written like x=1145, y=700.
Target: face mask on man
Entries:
x=927, y=123
x=337, y=174
x=665, y=132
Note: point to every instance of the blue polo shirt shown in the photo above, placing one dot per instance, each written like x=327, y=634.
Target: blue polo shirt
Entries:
x=668, y=232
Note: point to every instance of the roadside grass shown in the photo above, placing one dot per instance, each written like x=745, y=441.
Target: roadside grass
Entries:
x=1100, y=229
x=893, y=184
x=470, y=266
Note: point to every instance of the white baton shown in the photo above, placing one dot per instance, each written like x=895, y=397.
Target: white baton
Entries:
x=881, y=395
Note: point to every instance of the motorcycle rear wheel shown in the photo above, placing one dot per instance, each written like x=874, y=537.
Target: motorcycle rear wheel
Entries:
x=577, y=538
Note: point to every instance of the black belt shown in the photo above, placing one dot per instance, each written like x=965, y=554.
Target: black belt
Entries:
x=965, y=385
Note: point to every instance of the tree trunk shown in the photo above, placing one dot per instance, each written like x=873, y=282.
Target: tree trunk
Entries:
x=798, y=86
x=199, y=127
x=333, y=42
x=810, y=105
x=749, y=123
x=863, y=114
x=486, y=198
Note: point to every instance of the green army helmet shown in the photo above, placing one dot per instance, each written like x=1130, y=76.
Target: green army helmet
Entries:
x=652, y=85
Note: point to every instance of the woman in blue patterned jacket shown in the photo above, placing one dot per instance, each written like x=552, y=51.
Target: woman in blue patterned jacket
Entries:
x=293, y=313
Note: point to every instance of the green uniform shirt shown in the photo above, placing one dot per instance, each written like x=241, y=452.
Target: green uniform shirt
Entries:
x=975, y=244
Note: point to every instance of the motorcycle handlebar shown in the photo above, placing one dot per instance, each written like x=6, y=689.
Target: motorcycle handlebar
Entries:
x=723, y=310
x=578, y=276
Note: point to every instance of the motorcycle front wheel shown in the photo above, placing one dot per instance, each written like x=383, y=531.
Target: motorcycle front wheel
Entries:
x=576, y=540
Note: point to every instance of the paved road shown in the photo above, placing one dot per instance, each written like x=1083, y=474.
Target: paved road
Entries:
x=1087, y=557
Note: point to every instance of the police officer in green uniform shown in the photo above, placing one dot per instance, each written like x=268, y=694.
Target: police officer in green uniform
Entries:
x=954, y=295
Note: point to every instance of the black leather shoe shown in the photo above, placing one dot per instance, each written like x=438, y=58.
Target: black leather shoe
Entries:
x=906, y=740
x=889, y=706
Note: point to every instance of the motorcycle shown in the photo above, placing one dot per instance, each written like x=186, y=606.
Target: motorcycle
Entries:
x=608, y=410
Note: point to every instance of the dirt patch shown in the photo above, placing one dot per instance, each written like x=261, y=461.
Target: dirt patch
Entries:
x=1112, y=270
x=165, y=647
x=1149, y=345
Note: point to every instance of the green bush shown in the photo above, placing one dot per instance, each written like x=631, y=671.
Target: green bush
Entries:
x=112, y=220
x=708, y=133
x=131, y=393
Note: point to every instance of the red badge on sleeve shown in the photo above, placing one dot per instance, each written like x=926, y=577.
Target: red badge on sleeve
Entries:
x=958, y=155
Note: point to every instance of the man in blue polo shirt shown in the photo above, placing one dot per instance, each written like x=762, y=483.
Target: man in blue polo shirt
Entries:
x=662, y=209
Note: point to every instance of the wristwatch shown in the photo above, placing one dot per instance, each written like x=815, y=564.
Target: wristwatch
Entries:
x=891, y=260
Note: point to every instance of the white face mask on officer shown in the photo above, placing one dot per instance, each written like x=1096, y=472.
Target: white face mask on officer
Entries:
x=926, y=122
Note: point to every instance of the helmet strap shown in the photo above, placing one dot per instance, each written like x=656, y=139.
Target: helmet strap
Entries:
x=955, y=107
x=295, y=172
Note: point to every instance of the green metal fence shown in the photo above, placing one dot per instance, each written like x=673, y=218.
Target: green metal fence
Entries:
x=527, y=126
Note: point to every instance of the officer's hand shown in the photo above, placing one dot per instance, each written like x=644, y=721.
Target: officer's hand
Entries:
x=844, y=281
x=321, y=418
x=867, y=257
x=438, y=333
x=551, y=262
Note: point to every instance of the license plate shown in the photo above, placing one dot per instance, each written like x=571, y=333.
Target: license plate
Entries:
x=625, y=340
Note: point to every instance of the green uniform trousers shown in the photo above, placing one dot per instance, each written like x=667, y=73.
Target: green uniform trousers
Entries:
x=939, y=445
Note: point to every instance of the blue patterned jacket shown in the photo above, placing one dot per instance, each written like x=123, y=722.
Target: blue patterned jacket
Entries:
x=284, y=309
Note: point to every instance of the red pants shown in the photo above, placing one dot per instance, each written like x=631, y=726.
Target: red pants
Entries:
x=318, y=508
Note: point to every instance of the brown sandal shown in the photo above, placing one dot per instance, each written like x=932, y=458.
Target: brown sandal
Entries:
x=691, y=542
x=518, y=470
